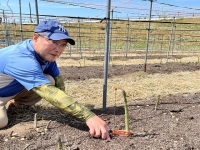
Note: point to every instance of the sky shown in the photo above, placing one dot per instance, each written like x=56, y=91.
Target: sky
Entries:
x=97, y=8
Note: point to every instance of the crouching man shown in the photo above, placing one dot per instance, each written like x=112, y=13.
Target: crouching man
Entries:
x=28, y=73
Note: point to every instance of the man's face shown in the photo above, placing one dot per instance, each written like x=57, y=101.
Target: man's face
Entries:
x=48, y=49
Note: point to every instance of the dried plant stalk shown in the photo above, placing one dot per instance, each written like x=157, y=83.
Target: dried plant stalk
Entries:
x=59, y=144
x=35, y=121
x=26, y=146
x=47, y=127
x=157, y=102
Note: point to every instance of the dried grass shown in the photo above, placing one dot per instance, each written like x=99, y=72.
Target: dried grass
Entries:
x=187, y=57
x=138, y=86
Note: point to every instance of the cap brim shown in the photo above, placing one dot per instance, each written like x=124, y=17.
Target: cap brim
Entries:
x=60, y=36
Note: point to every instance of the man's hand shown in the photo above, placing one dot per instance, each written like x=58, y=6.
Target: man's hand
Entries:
x=98, y=128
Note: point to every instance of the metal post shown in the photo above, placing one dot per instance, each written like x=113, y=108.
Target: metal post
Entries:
x=110, y=42
x=79, y=39
x=3, y=16
x=161, y=45
x=180, y=46
x=6, y=32
x=99, y=43
x=135, y=43
x=20, y=20
x=148, y=32
x=106, y=52
x=70, y=48
x=127, y=38
x=154, y=38
x=174, y=35
x=195, y=44
x=30, y=13
x=170, y=40
x=36, y=7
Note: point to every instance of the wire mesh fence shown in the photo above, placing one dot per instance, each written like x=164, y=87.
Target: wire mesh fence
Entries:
x=168, y=38
x=126, y=36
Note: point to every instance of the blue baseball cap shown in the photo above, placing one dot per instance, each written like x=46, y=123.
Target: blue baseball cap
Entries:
x=54, y=30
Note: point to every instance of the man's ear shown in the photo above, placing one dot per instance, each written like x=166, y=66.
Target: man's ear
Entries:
x=35, y=37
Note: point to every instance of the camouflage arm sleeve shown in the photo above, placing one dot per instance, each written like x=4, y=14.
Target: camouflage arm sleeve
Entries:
x=61, y=100
x=59, y=83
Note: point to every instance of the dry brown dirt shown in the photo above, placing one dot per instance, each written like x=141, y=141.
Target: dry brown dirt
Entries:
x=172, y=125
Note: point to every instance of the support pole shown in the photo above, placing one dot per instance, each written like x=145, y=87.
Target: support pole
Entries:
x=148, y=32
x=30, y=13
x=37, y=14
x=106, y=52
x=170, y=40
x=20, y=11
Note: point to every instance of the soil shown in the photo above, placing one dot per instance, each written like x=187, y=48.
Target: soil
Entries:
x=173, y=124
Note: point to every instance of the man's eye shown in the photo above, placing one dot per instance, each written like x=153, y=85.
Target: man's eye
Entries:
x=54, y=42
x=63, y=45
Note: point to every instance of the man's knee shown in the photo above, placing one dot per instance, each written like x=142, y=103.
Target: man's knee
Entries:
x=3, y=123
x=3, y=117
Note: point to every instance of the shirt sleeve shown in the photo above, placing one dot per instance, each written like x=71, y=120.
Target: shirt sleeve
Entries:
x=27, y=71
x=52, y=69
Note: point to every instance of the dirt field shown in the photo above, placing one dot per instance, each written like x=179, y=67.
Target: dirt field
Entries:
x=173, y=124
